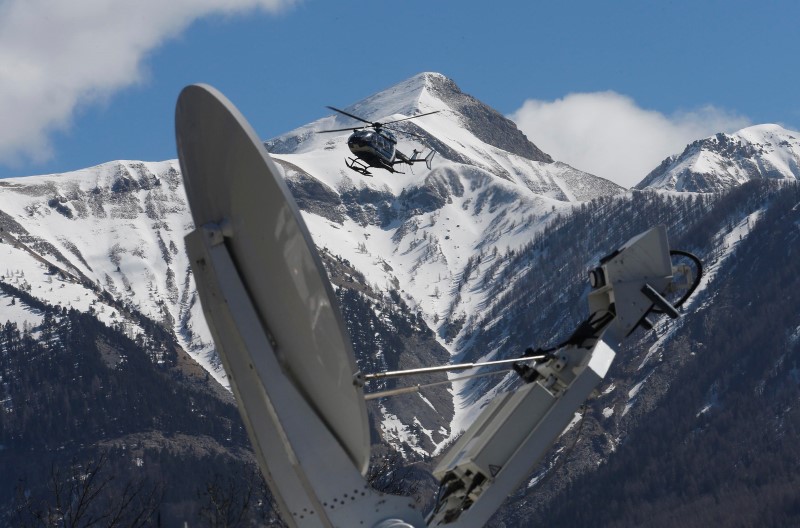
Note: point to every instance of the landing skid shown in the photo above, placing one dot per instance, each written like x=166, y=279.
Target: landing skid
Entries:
x=358, y=166
x=362, y=168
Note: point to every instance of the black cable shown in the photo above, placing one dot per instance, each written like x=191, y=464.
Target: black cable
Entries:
x=586, y=330
x=695, y=282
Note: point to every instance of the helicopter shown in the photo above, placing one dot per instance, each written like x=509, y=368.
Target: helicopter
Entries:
x=374, y=145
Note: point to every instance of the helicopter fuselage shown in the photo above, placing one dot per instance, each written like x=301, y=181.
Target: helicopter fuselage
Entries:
x=373, y=145
x=376, y=148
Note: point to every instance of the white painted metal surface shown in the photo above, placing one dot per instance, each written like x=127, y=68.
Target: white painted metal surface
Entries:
x=231, y=180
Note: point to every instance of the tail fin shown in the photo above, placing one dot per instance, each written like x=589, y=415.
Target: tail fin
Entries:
x=429, y=158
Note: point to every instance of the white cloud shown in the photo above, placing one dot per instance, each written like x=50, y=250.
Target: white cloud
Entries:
x=608, y=135
x=56, y=55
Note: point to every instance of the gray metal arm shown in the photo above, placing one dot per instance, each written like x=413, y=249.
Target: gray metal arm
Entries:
x=514, y=432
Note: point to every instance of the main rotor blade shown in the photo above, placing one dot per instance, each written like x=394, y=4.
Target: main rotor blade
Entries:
x=348, y=114
x=339, y=130
x=412, y=117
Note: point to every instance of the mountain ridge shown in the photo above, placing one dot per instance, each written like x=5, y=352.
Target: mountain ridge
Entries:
x=722, y=161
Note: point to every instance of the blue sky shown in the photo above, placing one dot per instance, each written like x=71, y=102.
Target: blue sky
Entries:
x=585, y=80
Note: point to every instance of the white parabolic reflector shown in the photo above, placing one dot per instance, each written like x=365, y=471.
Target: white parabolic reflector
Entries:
x=231, y=181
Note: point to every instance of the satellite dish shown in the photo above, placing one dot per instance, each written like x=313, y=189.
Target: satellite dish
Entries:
x=232, y=182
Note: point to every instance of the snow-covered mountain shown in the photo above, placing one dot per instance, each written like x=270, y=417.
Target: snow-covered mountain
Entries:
x=107, y=239
x=478, y=258
x=115, y=232
x=724, y=161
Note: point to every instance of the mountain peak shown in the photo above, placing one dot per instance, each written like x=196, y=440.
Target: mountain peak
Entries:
x=723, y=161
x=484, y=122
x=424, y=92
x=403, y=98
